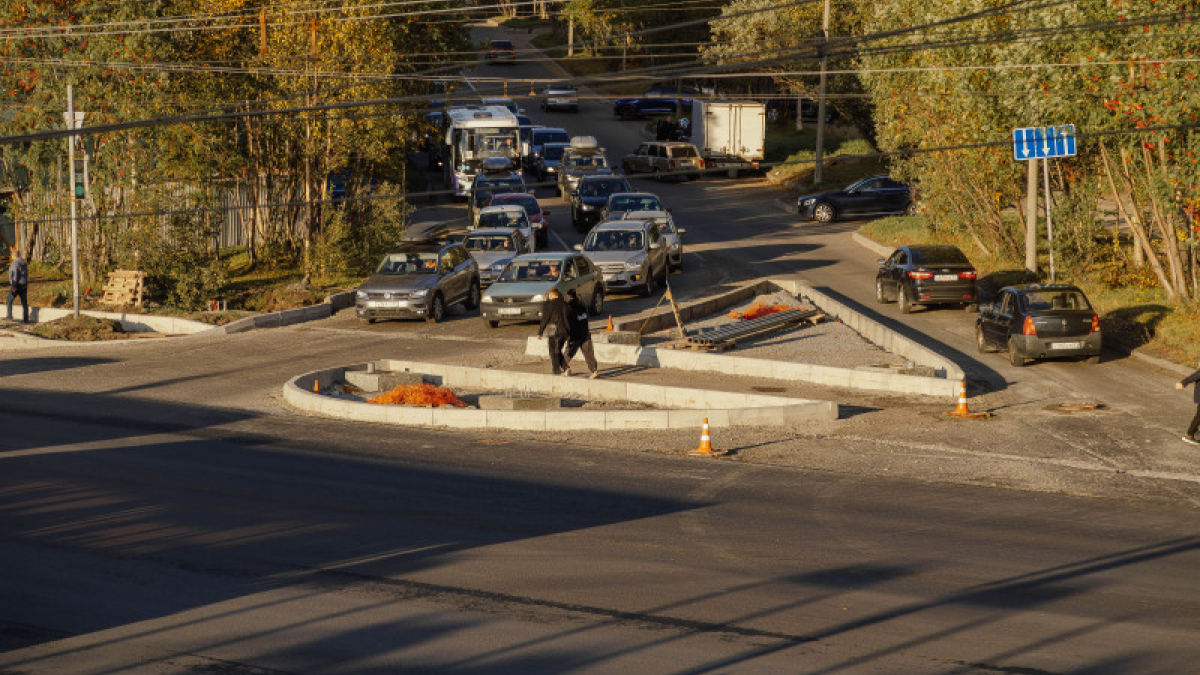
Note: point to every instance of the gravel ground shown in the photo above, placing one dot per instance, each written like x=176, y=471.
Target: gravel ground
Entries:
x=830, y=343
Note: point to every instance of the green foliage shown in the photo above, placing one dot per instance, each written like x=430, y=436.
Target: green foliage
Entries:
x=358, y=232
x=181, y=265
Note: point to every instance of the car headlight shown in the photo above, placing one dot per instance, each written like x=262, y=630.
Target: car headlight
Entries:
x=419, y=294
x=540, y=297
x=635, y=264
x=487, y=299
x=497, y=267
x=589, y=207
x=361, y=295
x=807, y=202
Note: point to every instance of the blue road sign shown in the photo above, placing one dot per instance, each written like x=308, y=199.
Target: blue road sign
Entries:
x=1044, y=142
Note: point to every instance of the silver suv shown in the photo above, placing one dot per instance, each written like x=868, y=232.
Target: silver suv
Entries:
x=419, y=279
x=632, y=255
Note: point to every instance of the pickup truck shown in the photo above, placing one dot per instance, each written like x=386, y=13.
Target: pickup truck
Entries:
x=656, y=101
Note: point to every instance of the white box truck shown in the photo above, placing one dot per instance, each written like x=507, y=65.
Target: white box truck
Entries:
x=730, y=134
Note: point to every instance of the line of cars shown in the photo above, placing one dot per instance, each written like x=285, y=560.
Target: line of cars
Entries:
x=1026, y=320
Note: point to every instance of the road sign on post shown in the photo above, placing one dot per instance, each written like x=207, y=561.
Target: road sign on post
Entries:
x=1044, y=142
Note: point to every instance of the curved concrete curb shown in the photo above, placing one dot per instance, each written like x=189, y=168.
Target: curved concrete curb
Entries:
x=870, y=244
x=132, y=323
x=721, y=408
x=287, y=317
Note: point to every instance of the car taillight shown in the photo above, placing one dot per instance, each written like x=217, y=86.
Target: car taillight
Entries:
x=701, y=163
x=1095, y=323
x=969, y=274
x=1029, y=328
x=920, y=276
x=671, y=164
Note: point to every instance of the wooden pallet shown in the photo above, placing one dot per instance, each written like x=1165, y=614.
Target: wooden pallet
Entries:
x=124, y=288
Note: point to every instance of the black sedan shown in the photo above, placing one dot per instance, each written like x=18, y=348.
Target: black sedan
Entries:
x=874, y=196
x=590, y=197
x=926, y=275
x=1038, y=322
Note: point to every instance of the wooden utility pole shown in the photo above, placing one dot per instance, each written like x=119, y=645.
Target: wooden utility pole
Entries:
x=820, y=152
x=1031, y=229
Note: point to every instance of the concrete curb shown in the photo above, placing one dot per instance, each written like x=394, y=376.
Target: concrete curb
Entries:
x=692, y=405
x=787, y=206
x=287, y=317
x=132, y=323
x=872, y=245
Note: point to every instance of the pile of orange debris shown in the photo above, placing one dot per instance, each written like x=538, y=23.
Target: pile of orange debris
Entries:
x=758, y=310
x=423, y=395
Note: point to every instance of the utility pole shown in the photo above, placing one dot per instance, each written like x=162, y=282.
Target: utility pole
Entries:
x=79, y=190
x=1049, y=227
x=1031, y=229
x=820, y=153
x=570, y=35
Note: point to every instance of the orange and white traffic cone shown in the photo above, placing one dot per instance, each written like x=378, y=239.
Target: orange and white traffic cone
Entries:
x=962, y=411
x=610, y=326
x=705, y=449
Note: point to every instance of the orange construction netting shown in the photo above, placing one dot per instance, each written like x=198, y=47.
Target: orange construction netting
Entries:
x=758, y=310
x=424, y=395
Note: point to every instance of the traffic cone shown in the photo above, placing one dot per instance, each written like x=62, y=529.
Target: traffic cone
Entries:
x=705, y=449
x=962, y=411
x=610, y=326
x=316, y=386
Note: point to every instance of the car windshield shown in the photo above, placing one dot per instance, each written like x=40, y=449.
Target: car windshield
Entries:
x=543, y=137
x=530, y=204
x=586, y=162
x=488, y=242
x=409, y=263
x=553, y=152
x=938, y=256
x=1056, y=298
x=684, y=151
x=600, y=188
x=634, y=204
x=511, y=219
x=532, y=270
x=614, y=240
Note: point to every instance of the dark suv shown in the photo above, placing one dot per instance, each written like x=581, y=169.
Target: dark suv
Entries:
x=1038, y=322
x=419, y=279
x=926, y=275
x=590, y=196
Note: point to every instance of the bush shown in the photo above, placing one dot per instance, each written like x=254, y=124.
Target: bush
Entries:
x=358, y=232
x=182, y=267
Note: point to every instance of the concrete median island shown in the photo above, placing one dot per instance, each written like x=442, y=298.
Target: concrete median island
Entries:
x=673, y=407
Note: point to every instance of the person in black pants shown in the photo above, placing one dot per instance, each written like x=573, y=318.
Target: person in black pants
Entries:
x=18, y=285
x=1190, y=436
x=556, y=324
x=581, y=334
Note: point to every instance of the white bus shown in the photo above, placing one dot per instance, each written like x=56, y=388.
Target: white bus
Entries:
x=472, y=134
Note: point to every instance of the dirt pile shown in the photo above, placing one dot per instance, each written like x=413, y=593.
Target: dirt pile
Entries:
x=80, y=329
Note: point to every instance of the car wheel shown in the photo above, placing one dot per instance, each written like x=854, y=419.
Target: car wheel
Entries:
x=543, y=240
x=879, y=296
x=651, y=286
x=1094, y=359
x=657, y=174
x=912, y=209
x=696, y=176
x=597, y=300
x=472, y=301
x=492, y=323
x=1014, y=355
x=981, y=342
x=823, y=213
x=902, y=300
x=437, y=309
x=366, y=322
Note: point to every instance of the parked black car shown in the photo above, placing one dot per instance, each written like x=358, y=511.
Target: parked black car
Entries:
x=1039, y=322
x=874, y=196
x=590, y=197
x=659, y=100
x=926, y=275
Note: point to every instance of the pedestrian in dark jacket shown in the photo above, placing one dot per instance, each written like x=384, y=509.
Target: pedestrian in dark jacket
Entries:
x=1190, y=436
x=556, y=325
x=18, y=285
x=581, y=334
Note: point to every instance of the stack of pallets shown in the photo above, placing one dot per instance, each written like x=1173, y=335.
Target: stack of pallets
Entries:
x=727, y=336
x=124, y=288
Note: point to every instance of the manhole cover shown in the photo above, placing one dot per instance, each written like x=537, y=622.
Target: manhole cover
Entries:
x=1077, y=406
x=770, y=390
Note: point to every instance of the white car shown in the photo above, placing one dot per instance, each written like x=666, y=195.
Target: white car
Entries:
x=511, y=216
x=672, y=236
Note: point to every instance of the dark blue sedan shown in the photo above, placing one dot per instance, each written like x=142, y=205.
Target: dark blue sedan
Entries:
x=874, y=196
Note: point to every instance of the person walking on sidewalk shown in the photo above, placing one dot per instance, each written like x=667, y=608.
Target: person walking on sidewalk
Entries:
x=1190, y=436
x=556, y=325
x=581, y=335
x=18, y=285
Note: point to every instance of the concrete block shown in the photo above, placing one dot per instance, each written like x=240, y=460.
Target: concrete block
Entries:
x=636, y=419
x=408, y=415
x=460, y=418
x=648, y=394
x=501, y=402
x=381, y=381
x=619, y=337
x=569, y=420
x=519, y=420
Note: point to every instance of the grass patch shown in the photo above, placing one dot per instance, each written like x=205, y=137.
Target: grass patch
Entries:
x=797, y=152
x=525, y=22
x=1138, y=318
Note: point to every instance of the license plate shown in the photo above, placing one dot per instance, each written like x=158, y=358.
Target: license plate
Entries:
x=945, y=277
x=385, y=303
x=1066, y=345
x=609, y=277
x=509, y=311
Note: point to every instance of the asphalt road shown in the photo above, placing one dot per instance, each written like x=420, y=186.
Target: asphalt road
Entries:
x=160, y=513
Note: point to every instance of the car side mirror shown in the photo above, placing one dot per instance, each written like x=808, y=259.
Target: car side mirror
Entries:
x=578, y=247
